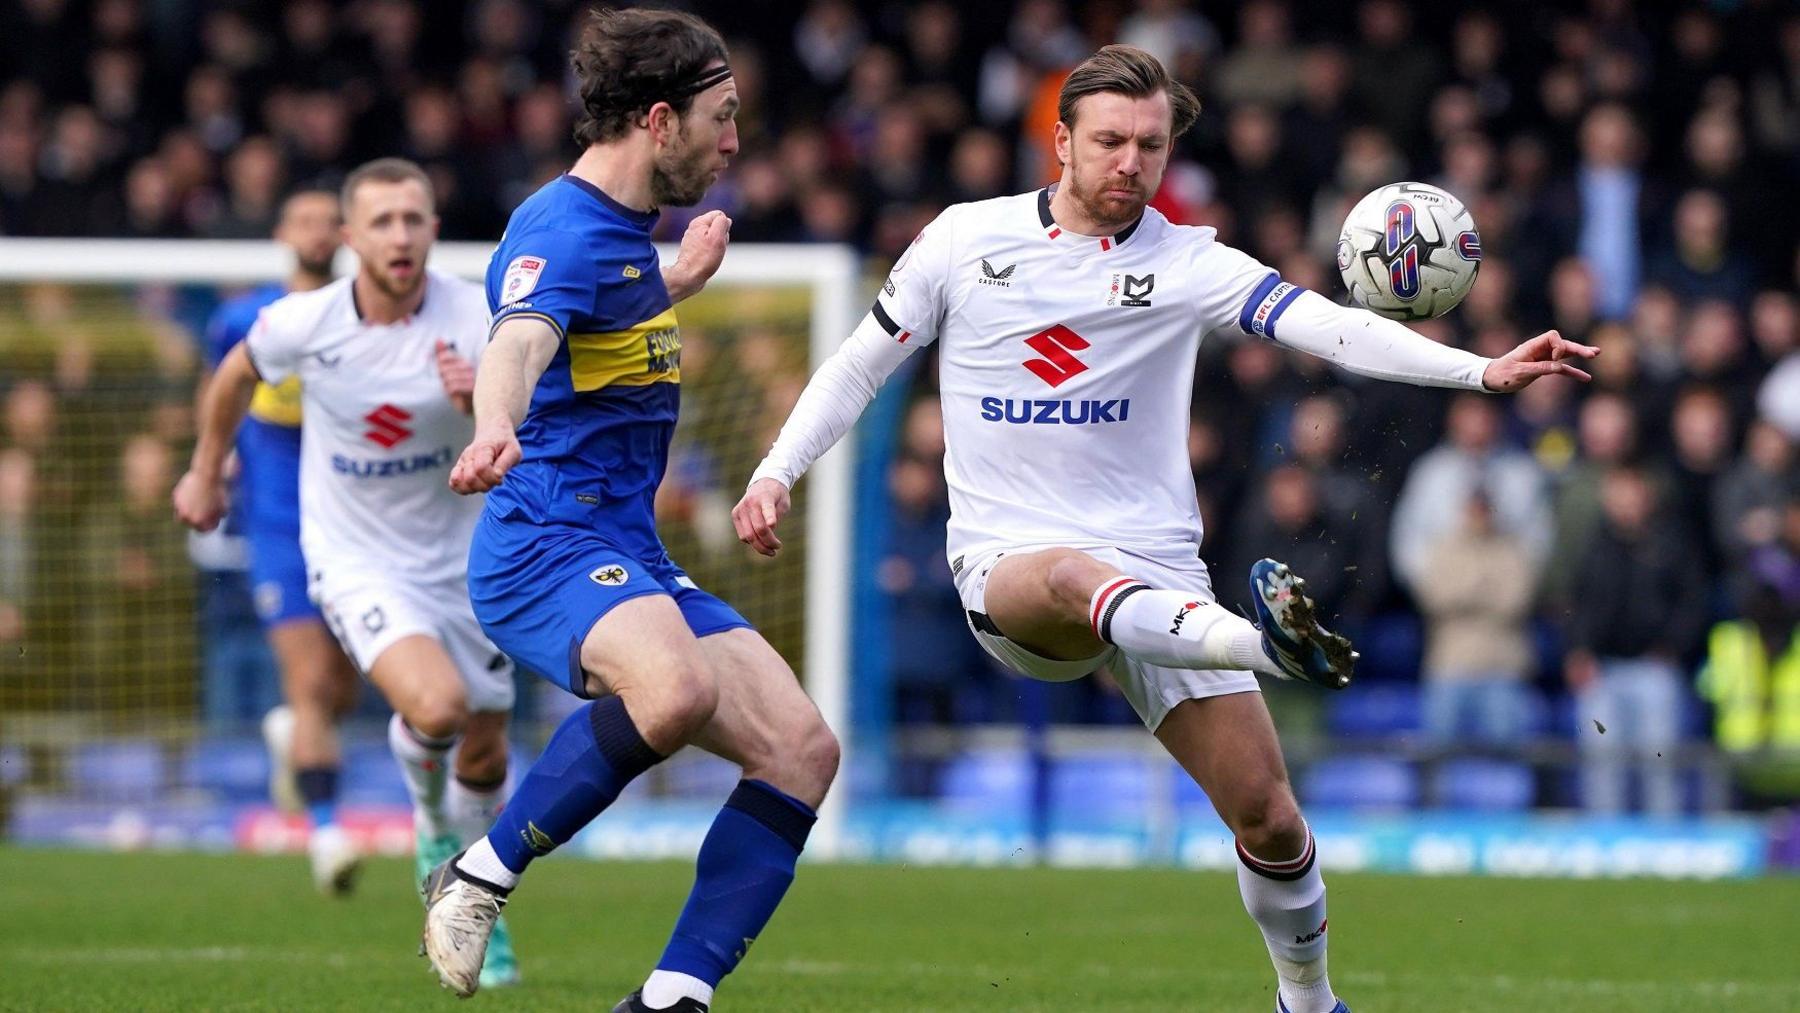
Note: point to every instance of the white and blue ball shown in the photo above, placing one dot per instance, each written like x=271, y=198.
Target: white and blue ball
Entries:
x=1409, y=251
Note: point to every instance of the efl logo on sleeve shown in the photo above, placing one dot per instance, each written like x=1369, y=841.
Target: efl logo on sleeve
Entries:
x=521, y=277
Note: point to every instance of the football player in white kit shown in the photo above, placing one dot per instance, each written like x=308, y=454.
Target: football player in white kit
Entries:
x=1068, y=323
x=386, y=365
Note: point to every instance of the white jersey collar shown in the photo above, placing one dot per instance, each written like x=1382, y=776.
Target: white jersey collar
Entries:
x=1074, y=241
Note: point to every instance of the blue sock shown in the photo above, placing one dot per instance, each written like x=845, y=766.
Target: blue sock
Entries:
x=593, y=755
x=744, y=868
x=318, y=791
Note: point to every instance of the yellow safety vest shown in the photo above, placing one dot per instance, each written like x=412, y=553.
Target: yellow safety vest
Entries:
x=1756, y=704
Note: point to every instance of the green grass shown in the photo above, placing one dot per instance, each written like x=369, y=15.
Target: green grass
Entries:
x=193, y=932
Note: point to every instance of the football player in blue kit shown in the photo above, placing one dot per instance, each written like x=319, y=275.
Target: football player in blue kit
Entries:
x=575, y=404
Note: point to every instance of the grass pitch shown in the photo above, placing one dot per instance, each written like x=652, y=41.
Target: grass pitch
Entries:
x=212, y=932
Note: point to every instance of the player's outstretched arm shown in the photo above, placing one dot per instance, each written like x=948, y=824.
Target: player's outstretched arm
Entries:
x=520, y=351
x=1375, y=346
x=702, y=251
x=200, y=495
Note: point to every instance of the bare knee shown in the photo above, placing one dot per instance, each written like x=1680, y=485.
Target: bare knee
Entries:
x=481, y=757
x=1268, y=823
x=1072, y=576
x=815, y=762
x=438, y=717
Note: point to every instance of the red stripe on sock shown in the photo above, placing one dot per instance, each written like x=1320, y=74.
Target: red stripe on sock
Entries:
x=1306, y=856
x=1100, y=600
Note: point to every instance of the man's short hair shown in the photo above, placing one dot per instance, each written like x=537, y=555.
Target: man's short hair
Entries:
x=1128, y=71
x=629, y=60
x=383, y=170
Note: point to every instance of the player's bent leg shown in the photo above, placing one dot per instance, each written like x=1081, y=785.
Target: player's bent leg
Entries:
x=766, y=724
x=1228, y=745
x=661, y=691
x=1066, y=604
x=319, y=686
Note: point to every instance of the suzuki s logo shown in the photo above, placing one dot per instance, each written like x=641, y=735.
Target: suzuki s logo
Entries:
x=386, y=426
x=1055, y=344
x=1182, y=616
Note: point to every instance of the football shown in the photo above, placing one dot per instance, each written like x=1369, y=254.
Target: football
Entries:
x=1409, y=251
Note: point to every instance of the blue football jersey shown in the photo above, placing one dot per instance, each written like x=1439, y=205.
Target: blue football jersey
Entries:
x=596, y=437
x=268, y=443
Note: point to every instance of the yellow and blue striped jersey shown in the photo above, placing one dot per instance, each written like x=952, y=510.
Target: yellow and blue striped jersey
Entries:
x=596, y=437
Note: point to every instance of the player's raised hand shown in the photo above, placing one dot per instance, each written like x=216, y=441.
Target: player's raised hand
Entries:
x=485, y=462
x=702, y=251
x=1544, y=355
x=458, y=377
x=755, y=516
x=200, y=500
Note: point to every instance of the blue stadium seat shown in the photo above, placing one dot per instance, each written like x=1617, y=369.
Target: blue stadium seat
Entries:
x=1104, y=787
x=15, y=765
x=1187, y=792
x=119, y=771
x=1360, y=782
x=371, y=776
x=1374, y=711
x=1483, y=784
x=233, y=769
x=990, y=781
x=1392, y=646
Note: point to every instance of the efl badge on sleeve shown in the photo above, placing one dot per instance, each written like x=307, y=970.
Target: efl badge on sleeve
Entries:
x=521, y=278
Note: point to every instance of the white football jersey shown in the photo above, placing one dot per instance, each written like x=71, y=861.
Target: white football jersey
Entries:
x=1067, y=369
x=379, y=435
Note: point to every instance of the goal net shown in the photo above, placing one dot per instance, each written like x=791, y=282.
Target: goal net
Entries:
x=131, y=671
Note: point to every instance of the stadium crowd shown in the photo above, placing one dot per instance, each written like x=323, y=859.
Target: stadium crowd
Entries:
x=1633, y=546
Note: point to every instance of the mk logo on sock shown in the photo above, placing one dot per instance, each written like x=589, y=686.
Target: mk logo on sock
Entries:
x=1179, y=616
x=535, y=839
x=1314, y=934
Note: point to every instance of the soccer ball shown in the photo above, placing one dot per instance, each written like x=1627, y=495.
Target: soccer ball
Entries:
x=1409, y=251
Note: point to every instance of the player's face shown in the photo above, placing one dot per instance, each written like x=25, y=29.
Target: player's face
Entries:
x=309, y=226
x=391, y=226
x=703, y=148
x=1115, y=154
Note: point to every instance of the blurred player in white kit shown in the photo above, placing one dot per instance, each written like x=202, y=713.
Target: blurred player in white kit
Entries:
x=1068, y=323
x=386, y=361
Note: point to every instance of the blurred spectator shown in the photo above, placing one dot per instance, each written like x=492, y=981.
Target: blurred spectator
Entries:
x=1476, y=608
x=1642, y=614
x=1701, y=438
x=1748, y=499
x=18, y=475
x=1608, y=439
x=1470, y=461
x=1265, y=66
x=1393, y=75
x=139, y=640
x=1609, y=195
x=1700, y=263
x=1752, y=670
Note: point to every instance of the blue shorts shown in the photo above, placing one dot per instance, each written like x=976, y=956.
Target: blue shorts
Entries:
x=539, y=589
x=278, y=578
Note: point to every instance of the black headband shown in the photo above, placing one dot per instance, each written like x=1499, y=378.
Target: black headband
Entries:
x=700, y=81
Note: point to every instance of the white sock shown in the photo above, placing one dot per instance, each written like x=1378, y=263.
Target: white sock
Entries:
x=666, y=988
x=483, y=863
x=472, y=811
x=424, y=762
x=1287, y=901
x=1176, y=629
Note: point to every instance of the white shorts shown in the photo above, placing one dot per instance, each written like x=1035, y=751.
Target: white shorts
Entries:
x=1152, y=689
x=369, y=612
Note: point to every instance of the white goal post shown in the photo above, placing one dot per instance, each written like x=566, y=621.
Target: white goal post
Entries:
x=829, y=271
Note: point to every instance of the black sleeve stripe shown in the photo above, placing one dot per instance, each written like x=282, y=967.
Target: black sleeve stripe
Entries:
x=504, y=317
x=886, y=322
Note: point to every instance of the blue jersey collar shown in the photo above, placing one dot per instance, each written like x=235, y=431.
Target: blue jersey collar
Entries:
x=642, y=219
